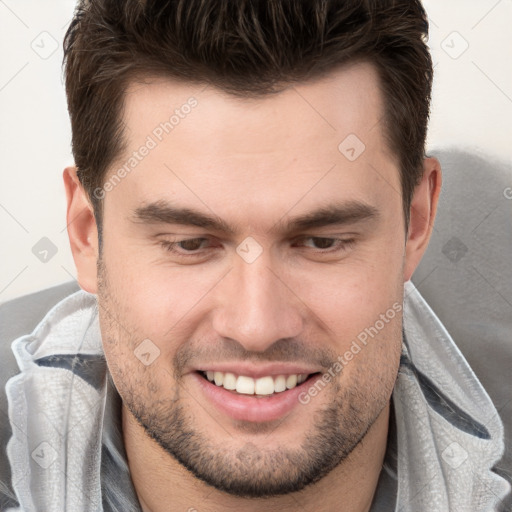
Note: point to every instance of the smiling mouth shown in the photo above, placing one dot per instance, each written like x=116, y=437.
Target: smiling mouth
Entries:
x=261, y=387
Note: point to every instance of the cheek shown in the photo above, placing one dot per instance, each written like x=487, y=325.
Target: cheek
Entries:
x=371, y=354
x=153, y=296
x=136, y=355
x=352, y=295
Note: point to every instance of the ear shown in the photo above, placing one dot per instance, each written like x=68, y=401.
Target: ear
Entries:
x=422, y=214
x=82, y=231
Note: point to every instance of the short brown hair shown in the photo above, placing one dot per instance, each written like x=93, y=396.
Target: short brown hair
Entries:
x=246, y=48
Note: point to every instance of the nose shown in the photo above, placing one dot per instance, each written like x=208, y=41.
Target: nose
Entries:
x=257, y=307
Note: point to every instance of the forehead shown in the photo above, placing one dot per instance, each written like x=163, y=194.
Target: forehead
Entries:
x=344, y=101
x=315, y=139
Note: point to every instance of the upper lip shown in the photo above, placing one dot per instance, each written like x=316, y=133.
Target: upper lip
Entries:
x=257, y=371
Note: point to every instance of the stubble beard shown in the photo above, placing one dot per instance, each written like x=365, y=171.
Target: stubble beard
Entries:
x=249, y=471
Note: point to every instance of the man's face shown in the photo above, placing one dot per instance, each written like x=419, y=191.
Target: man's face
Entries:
x=267, y=299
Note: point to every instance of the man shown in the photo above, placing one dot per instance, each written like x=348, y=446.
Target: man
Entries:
x=250, y=200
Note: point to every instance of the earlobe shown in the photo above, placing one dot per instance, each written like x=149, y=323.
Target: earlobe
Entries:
x=82, y=230
x=422, y=215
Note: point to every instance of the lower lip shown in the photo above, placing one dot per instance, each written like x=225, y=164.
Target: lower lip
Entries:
x=252, y=408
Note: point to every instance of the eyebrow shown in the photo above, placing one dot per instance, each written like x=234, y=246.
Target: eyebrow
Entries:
x=350, y=212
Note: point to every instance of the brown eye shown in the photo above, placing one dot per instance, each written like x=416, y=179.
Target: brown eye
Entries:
x=192, y=244
x=322, y=243
x=189, y=247
x=322, y=246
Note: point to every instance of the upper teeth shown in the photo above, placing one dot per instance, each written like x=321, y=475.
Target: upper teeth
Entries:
x=249, y=386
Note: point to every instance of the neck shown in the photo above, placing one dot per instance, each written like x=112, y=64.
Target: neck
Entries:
x=162, y=484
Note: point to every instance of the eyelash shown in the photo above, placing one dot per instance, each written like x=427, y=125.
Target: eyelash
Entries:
x=343, y=245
